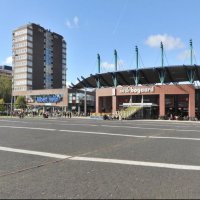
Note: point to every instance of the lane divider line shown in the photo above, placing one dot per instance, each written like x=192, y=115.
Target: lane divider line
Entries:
x=101, y=133
x=38, y=153
x=30, y=128
x=138, y=163
x=109, y=134
x=105, y=160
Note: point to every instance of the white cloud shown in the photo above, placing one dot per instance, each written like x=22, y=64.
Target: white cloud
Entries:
x=169, y=42
x=107, y=66
x=74, y=23
x=68, y=24
x=184, y=55
x=111, y=66
x=68, y=83
x=8, y=61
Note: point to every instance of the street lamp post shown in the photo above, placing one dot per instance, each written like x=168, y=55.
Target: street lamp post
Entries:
x=11, y=104
x=12, y=83
x=85, y=103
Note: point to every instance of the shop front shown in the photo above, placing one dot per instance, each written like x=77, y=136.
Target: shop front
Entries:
x=155, y=101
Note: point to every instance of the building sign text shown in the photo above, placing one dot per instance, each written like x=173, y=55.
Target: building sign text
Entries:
x=137, y=90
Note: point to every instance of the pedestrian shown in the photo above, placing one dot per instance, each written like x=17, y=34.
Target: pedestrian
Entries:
x=65, y=114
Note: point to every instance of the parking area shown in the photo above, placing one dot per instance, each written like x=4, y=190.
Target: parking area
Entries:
x=88, y=158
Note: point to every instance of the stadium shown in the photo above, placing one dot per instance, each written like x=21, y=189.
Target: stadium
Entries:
x=163, y=92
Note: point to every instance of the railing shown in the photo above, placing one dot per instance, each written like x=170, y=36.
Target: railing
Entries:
x=129, y=112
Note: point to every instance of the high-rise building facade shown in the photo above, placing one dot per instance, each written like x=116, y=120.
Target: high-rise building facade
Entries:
x=39, y=59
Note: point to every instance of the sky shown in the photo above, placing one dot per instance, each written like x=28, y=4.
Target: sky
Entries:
x=100, y=26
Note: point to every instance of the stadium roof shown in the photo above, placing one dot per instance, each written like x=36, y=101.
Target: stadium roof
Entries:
x=165, y=75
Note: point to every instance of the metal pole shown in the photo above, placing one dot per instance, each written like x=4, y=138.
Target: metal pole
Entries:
x=99, y=70
x=162, y=63
x=136, y=78
x=115, y=53
x=191, y=52
x=85, y=103
x=11, y=104
x=98, y=58
x=136, y=49
x=162, y=60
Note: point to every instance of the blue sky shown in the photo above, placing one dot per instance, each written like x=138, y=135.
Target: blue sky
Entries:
x=100, y=26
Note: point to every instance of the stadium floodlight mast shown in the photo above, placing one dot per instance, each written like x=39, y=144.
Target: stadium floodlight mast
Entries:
x=191, y=52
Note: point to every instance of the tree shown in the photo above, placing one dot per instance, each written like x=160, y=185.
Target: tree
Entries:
x=5, y=88
x=2, y=106
x=20, y=102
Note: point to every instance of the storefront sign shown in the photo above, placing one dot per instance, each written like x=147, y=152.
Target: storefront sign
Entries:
x=48, y=99
x=137, y=90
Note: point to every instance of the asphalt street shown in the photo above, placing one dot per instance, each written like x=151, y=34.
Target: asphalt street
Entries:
x=96, y=159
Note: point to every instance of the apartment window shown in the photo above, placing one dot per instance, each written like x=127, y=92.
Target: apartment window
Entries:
x=29, y=76
x=30, y=51
x=20, y=76
x=20, y=70
x=30, y=57
x=21, y=51
x=30, y=44
x=22, y=63
x=30, y=70
x=21, y=57
x=22, y=44
x=21, y=82
x=29, y=82
x=30, y=38
x=30, y=63
x=18, y=39
x=30, y=32
x=21, y=32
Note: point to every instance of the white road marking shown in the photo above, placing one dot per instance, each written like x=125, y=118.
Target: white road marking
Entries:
x=138, y=127
x=174, y=138
x=23, y=122
x=38, y=153
x=101, y=133
x=160, y=129
x=132, y=136
x=104, y=160
x=29, y=128
x=138, y=163
x=60, y=123
x=77, y=125
x=159, y=125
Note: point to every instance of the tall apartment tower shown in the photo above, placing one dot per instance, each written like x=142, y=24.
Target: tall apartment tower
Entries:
x=39, y=59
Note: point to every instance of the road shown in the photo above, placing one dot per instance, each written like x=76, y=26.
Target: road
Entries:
x=87, y=158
